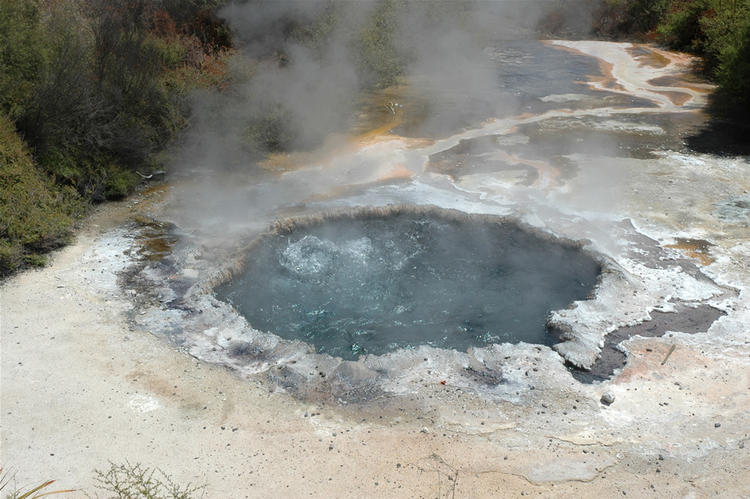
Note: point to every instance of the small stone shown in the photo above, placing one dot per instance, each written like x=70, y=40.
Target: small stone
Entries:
x=607, y=398
x=330, y=447
x=716, y=425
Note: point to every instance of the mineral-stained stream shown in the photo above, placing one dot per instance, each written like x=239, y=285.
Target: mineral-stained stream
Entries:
x=373, y=284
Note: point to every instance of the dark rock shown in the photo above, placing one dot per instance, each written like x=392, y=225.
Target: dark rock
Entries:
x=607, y=398
x=485, y=376
x=353, y=381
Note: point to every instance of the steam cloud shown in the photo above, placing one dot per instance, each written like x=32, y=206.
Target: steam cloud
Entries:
x=301, y=88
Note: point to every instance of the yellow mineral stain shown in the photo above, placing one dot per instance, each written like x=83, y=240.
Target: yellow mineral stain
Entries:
x=682, y=82
x=156, y=248
x=155, y=242
x=698, y=249
x=377, y=126
x=346, y=190
x=156, y=189
x=650, y=56
x=677, y=98
x=399, y=171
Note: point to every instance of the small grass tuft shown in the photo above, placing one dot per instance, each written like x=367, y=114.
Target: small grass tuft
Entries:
x=33, y=493
x=135, y=481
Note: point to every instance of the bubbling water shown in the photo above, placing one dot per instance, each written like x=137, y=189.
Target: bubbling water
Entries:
x=376, y=283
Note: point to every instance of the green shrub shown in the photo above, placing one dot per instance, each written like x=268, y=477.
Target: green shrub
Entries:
x=119, y=183
x=36, y=215
x=170, y=52
x=733, y=75
x=615, y=18
x=97, y=89
x=21, y=54
x=681, y=29
x=271, y=131
x=380, y=62
x=11, y=256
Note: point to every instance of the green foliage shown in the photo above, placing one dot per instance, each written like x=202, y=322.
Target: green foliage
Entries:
x=616, y=18
x=135, y=481
x=36, y=215
x=198, y=18
x=645, y=15
x=718, y=30
x=682, y=29
x=315, y=33
x=98, y=88
x=170, y=54
x=271, y=131
x=379, y=60
x=119, y=182
x=732, y=71
x=21, y=53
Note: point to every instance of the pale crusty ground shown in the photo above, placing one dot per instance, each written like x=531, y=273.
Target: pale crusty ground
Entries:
x=81, y=388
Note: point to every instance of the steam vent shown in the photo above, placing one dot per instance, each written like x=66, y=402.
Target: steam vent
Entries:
x=371, y=284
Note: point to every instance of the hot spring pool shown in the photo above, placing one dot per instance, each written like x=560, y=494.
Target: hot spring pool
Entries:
x=370, y=284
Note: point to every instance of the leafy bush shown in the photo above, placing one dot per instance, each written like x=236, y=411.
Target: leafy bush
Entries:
x=616, y=18
x=718, y=30
x=36, y=215
x=100, y=84
x=380, y=62
x=21, y=53
x=732, y=71
x=682, y=27
x=270, y=131
x=96, y=88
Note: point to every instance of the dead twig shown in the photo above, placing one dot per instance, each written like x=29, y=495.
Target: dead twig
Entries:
x=443, y=469
x=668, y=354
x=160, y=172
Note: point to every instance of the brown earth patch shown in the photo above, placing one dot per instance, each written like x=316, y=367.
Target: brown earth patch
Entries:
x=698, y=249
